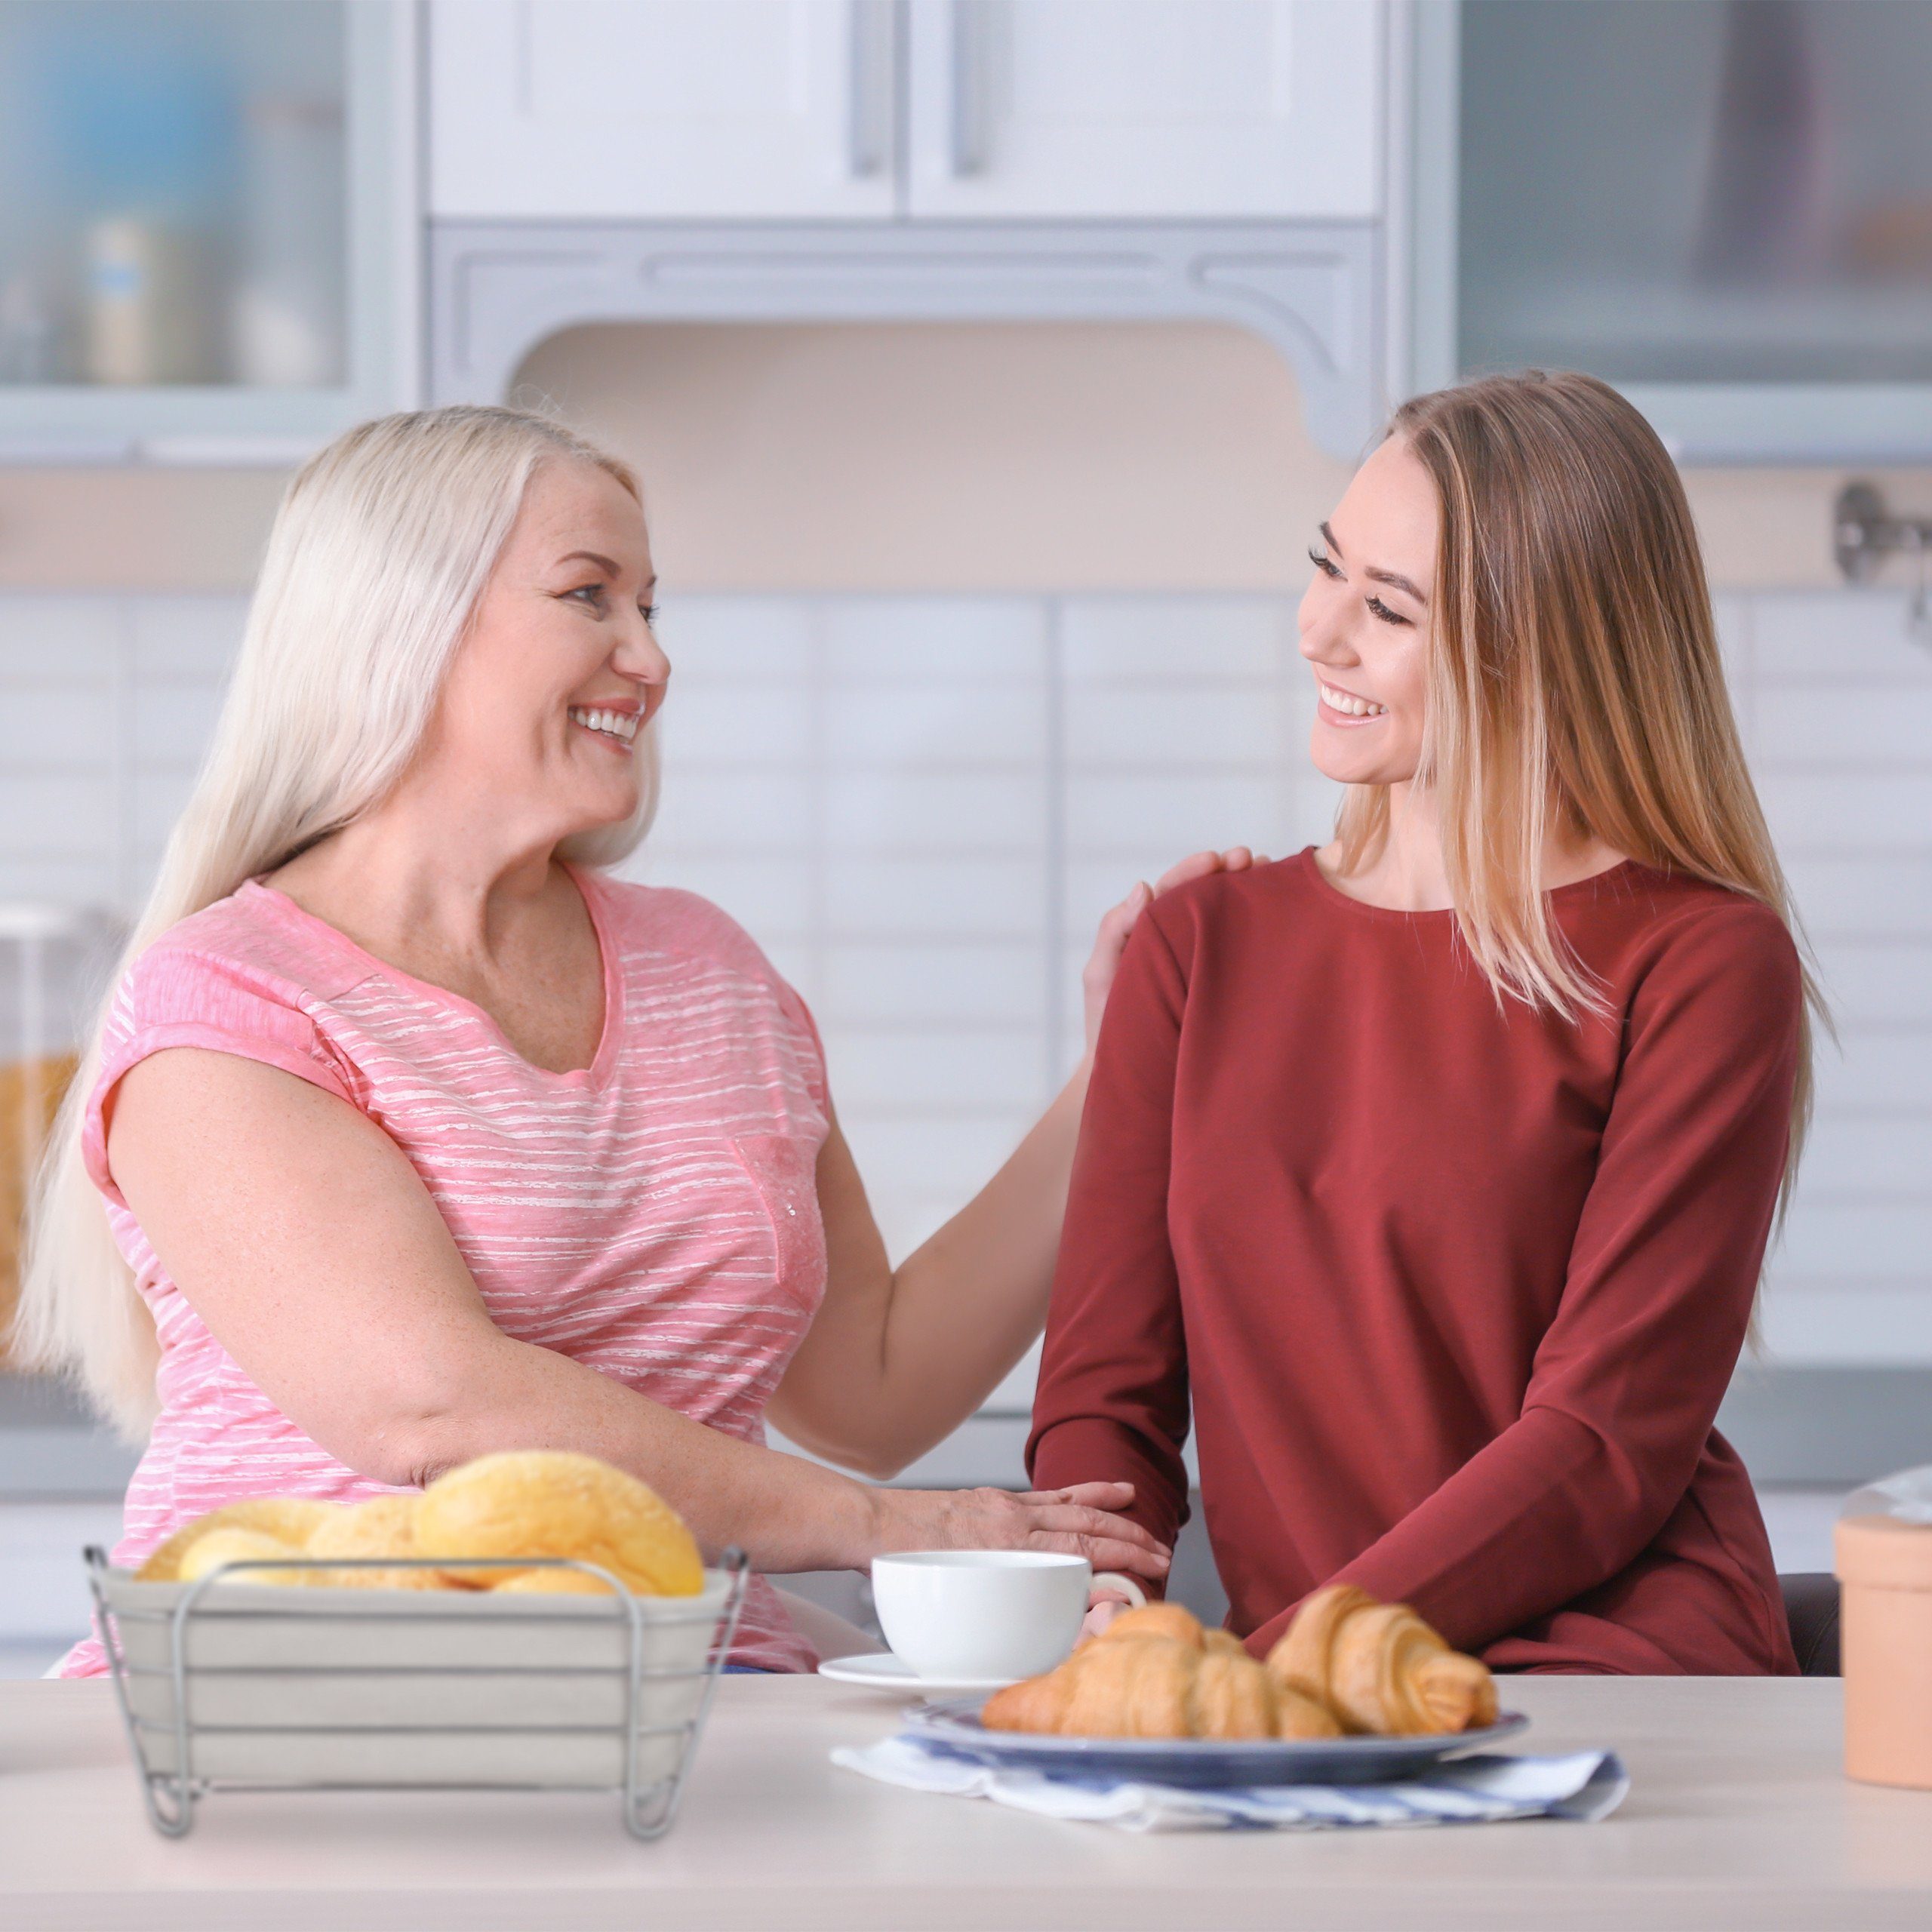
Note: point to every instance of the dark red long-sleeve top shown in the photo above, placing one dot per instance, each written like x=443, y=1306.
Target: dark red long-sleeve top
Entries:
x=1453, y=1288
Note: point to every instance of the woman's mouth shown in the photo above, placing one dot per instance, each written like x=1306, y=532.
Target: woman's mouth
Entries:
x=1345, y=708
x=619, y=727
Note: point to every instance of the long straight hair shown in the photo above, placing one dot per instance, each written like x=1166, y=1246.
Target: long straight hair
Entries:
x=1574, y=681
x=379, y=550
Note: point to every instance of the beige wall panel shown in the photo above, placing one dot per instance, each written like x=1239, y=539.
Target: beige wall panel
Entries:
x=936, y=456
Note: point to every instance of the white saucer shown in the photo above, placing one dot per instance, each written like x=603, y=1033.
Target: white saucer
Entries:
x=881, y=1671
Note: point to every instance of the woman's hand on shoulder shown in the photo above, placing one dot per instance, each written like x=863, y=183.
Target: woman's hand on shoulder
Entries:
x=1079, y=1521
x=1097, y=978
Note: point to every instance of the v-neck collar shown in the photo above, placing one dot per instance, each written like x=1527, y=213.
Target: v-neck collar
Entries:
x=590, y=888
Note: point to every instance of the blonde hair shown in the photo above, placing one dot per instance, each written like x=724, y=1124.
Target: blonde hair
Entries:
x=380, y=548
x=1574, y=678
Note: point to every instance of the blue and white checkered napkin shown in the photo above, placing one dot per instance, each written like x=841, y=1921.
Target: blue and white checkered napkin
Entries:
x=1587, y=1785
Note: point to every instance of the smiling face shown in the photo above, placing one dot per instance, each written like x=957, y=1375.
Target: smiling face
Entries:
x=1364, y=621
x=559, y=671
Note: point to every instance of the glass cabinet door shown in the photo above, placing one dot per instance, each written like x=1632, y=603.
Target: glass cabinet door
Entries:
x=1723, y=206
x=199, y=217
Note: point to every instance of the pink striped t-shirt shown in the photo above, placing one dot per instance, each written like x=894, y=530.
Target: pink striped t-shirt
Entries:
x=654, y=1216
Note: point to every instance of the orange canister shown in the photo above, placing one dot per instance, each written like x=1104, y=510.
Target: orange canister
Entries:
x=1884, y=1564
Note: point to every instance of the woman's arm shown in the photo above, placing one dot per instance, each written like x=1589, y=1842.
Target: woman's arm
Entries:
x=1662, y=1273
x=896, y=1360
x=301, y=1236
x=1112, y=1401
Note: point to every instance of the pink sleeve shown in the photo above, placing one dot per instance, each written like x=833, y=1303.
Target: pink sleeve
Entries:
x=172, y=999
x=789, y=998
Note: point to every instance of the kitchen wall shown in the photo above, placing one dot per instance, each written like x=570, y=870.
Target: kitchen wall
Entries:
x=921, y=805
x=994, y=457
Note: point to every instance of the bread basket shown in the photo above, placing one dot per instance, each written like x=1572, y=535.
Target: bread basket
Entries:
x=229, y=1684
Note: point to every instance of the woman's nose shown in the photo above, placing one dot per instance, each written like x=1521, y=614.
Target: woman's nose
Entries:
x=1321, y=638
x=640, y=656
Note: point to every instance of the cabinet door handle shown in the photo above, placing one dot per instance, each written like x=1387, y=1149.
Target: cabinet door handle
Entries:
x=965, y=39
x=869, y=85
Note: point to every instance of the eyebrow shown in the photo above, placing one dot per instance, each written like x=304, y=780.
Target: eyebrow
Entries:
x=604, y=564
x=1394, y=578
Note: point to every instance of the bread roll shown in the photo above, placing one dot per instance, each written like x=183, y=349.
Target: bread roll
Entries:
x=233, y=1545
x=551, y=1583
x=384, y=1526
x=290, y=1520
x=551, y=1502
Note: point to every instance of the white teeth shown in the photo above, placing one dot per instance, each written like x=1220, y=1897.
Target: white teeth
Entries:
x=613, y=724
x=1349, y=705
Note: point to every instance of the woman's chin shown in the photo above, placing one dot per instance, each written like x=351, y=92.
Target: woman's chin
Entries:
x=611, y=807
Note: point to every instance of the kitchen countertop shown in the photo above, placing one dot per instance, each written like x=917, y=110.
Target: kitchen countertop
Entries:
x=1738, y=1815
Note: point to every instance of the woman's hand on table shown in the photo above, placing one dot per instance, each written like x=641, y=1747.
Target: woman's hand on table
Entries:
x=1079, y=1521
x=1096, y=977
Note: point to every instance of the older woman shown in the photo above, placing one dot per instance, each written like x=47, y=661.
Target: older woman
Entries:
x=418, y=1136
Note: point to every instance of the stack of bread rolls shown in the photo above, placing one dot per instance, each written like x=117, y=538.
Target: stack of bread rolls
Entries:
x=1347, y=1665
x=518, y=1505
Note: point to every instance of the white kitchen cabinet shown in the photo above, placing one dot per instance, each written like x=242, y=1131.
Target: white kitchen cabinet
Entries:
x=1267, y=109
x=210, y=229
x=603, y=109
x=670, y=109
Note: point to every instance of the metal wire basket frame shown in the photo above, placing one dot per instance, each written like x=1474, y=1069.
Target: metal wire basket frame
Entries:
x=649, y=1808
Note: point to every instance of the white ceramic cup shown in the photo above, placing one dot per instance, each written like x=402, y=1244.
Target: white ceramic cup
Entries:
x=982, y=1614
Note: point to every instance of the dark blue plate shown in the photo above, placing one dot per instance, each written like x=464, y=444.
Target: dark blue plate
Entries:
x=1199, y=1763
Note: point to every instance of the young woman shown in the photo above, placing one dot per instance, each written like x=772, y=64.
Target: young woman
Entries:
x=1434, y=1169
x=418, y=1136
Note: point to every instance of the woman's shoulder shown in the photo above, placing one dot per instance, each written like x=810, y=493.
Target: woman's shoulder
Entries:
x=1672, y=929
x=254, y=936
x=668, y=920
x=1264, y=896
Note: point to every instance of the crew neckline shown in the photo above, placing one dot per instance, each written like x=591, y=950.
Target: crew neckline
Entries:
x=588, y=889
x=1329, y=889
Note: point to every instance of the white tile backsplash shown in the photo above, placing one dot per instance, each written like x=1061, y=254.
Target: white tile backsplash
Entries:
x=1181, y=640
x=739, y=640
x=58, y=728
x=192, y=639
x=58, y=814
x=1004, y=726
x=1136, y=726
x=911, y=810
x=939, y=896
x=922, y=806
x=1834, y=637
x=1875, y=1156
x=1801, y=725
x=921, y=640
x=935, y=985
x=736, y=727
x=1854, y=895
x=61, y=641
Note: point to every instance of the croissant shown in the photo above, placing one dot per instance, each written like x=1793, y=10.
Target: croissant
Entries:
x=1381, y=1668
x=1158, y=1676
x=1170, y=1620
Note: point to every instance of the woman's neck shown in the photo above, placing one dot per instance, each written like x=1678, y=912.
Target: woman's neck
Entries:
x=1406, y=873
x=401, y=884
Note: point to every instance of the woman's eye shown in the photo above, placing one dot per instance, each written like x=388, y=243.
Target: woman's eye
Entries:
x=1325, y=564
x=595, y=591
x=649, y=612
x=1378, y=609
